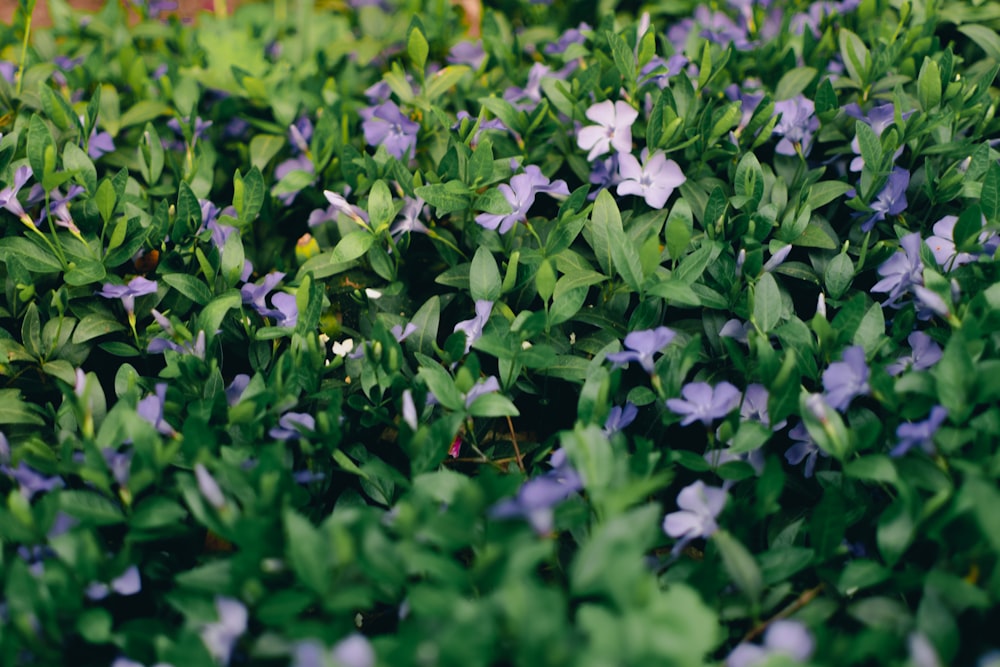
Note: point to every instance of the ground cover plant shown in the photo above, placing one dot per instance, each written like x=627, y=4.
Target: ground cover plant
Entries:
x=411, y=333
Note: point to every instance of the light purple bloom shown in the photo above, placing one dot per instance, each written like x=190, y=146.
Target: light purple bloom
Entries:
x=704, y=403
x=901, y=271
x=527, y=98
x=797, y=125
x=700, y=506
x=520, y=194
x=220, y=636
x=128, y=583
x=255, y=295
x=292, y=424
x=738, y=331
x=30, y=481
x=754, y=407
x=537, y=497
x=385, y=125
x=409, y=218
x=208, y=487
x=234, y=392
x=804, y=449
x=571, y=36
x=782, y=637
x=467, y=53
x=659, y=71
x=612, y=131
x=99, y=144
x=286, y=309
x=604, y=173
x=879, y=119
x=8, y=196
x=845, y=380
x=353, y=651
x=487, y=386
x=300, y=132
x=474, y=328
x=778, y=258
x=891, y=200
x=138, y=286
x=720, y=29
x=924, y=353
x=642, y=345
x=338, y=204
x=151, y=409
x=620, y=417
x=409, y=410
x=942, y=244
x=654, y=181
x=919, y=434
x=298, y=163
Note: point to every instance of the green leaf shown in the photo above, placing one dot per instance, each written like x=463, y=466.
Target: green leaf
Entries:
x=442, y=80
x=252, y=196
x=189, y=286
x=793, y=82
x=380, y=208
x=142, y=112
x=90, y=508
x=417, y=48
x=871, y=146
x=871, y=330
x=896, y=529
x=839, y=275
x=58, y=111
x=740, y=565
x=39, y=139
x=233, y=259
x=680, y=229
x=484, y=276
x=440, y=383
x=545, y=280
x=826, y=97
x=210, y=318
x=767, y=305
x=106, y=200
x=94, y=325
x=986, y=38
x=352, y=246
x=493, y=405
x=990, y=195
x=856, y=57
x=445, y=197
x=150, y=155
x=94, y=625
x=76, y=160
x=624, y=58
x=748, y=182
x=929, y=85
x=13, y=409
x=426, y=319
x=35, y=258
x=263, y=147
x=85, y=272
x=307, y=552
x=824, y=192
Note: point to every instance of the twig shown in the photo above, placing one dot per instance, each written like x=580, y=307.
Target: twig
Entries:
x=517, y=450
x=800, y=602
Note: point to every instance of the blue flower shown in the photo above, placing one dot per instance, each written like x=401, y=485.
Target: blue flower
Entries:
x=520, y=194
x=642, y=345
x=924, y=353
x=847, y=379
x=891, y=199
x=782, y=638
x=804, y=449
x=220, y=636
x=919, y=434
x=292, y=424
x=901, y=271
x=385, y=125
x=704, y=403
x=138, y=286
x=700, y=506
x=473, y=328
x=620, y=417
x=796, y=127
x=539, y=495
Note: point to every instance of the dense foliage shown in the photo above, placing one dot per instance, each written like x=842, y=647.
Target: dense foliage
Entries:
x=404, y=333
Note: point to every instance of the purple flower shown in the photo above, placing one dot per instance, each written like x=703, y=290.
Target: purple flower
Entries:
x=298, y=163
x=942, y=244
x=337, y=205
x=409, y=410
x=353, y=651
x=754, y=407
x=300, y=132
x=700, y=506
x=474, y=328
x=401, y=333
x=919, y=434
x=891, y=200
x=804, y=449
x=30, y=481
x=208, y=487
x=755, y=458
x=234, y=392
x=8, y=196
x=487, y=386
x=286, y=309
x=797, y=125
x=720, y=29
x=620, y=417
x=527, y=98
x=901, y=271
x=654, y=181
x=659, y=71
x=8, y=70
x=128, y=583
x=847, y=379
x=924, y=353
x=782, y=638
x=704, y=403
x=539, y=495
x=255, y=295
x=292, y=424
x=749, y=95
x=738, y=331
x=642, y=345
x=613, y=130
x=520, y=194
x=385, y=125
x=409, y=218
x=604, y=173
x=220, y=636
x=151, y=409
x=571, y=36
x=99, y=144
x=467, y=53
x=138, y=286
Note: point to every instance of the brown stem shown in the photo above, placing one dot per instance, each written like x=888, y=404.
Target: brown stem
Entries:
x=800, y=602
